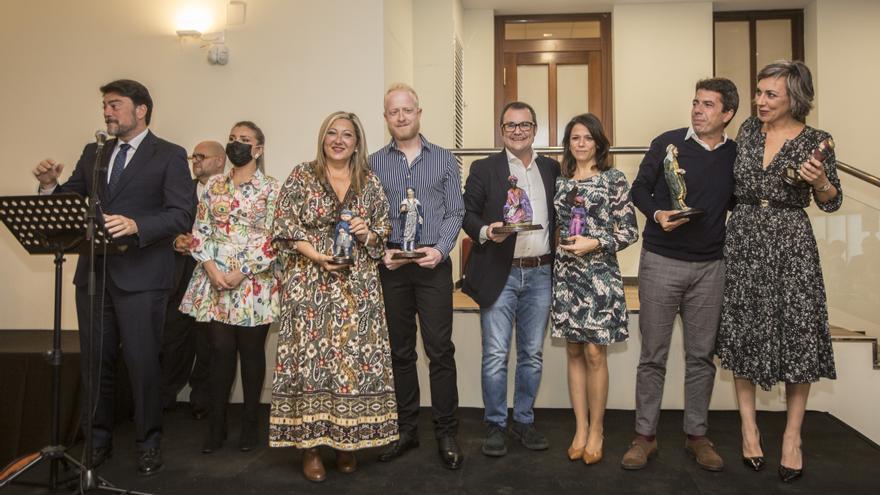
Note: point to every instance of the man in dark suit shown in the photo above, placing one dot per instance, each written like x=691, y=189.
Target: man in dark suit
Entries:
x=509, y=275
x=146, y=198
x=183, y=337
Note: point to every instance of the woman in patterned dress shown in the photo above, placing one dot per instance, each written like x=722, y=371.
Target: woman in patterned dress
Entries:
x=774, y=320
x=234, y=287
x=333, y=382
x=589, y=310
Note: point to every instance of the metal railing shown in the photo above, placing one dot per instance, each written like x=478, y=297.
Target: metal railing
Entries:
x=640, y=150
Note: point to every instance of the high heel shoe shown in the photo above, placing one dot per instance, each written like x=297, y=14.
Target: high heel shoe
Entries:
x=591, y=458
x=248, y=440
x=756, y=463
x=787, y=474
x=575, y=453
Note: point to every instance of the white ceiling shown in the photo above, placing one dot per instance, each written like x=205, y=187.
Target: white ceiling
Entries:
x=508, y=7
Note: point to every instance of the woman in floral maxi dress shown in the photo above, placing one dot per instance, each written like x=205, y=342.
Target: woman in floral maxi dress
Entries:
x=333, y=380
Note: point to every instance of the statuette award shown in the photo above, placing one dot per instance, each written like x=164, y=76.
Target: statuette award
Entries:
x=342, y=239
x=576, y=221
x=791, y=176
x=674, y=176
x=411, y=220
x=517, y=210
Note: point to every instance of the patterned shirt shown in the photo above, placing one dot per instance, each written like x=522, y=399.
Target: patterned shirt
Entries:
x=233, y=229
x=435, y=176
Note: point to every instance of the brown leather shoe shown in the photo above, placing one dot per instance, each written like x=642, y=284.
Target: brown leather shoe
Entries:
x=703, y=450
x=346, y=462
x=640, y=450
x=313, y=467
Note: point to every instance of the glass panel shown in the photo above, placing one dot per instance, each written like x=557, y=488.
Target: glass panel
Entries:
x=532, y=87
x=732, y=62
x=773, y=37
x=551, y=30
x=572, y=97
x=849, y=249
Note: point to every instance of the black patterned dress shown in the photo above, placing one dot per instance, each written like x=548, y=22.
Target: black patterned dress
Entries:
x=588, y=300
x=333, y=382
x=774, y=319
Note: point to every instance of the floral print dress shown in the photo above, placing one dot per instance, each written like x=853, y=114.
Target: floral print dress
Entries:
x=774, y=318
x=588, y=298
x=333, y=382
x=234, y=229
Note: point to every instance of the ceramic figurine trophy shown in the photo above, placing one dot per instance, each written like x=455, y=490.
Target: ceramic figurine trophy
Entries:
x=342, y=240
x=576, y=221
x=791, y=176
x=411, y=220
x=674, y=176
x=517, y=211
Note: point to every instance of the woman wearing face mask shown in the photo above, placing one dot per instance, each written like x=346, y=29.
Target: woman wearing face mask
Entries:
x=234, y=287
x=333, y=384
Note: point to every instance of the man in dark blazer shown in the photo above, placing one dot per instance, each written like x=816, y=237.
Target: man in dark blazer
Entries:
x=183, y=338
x=146, y=198
x=509, y=276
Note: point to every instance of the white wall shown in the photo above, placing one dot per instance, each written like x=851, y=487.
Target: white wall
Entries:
x=659, y=52
x=291, y=64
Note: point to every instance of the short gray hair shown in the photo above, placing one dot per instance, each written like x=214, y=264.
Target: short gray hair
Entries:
x=798, y=84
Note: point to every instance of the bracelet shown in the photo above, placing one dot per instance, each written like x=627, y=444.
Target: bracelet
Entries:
x=824, y=188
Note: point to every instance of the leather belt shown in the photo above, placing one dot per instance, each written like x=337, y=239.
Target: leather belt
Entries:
x=533, y=261
x=767, y=203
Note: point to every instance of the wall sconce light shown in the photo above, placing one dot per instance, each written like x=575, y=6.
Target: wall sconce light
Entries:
x=193, y=21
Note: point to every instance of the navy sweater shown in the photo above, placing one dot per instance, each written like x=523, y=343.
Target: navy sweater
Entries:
x=709, y=179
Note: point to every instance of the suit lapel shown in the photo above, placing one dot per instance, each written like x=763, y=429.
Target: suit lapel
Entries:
x=141, y=158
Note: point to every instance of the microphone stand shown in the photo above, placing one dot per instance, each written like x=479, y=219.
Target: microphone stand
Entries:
x=88, y=479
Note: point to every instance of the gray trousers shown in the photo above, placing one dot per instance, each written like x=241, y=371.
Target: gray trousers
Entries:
x=668, y=287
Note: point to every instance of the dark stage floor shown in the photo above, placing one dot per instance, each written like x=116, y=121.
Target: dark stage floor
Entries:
x=837, y=460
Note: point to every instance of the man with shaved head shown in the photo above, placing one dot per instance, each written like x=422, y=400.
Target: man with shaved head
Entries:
x=183, y=339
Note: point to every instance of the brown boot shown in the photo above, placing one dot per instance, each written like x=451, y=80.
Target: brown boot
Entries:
x=704, y=452
x=639, y=452
x=313, y=467
x=346, y=462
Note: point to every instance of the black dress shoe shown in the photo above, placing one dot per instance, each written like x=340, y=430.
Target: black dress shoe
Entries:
x=149, y=462
x=101, y=454
x=407, y=441
x=450, y=453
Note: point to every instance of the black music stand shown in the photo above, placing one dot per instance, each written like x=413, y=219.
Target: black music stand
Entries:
x=54, y=224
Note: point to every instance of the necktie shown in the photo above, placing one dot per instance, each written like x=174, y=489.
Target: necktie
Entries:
x=118, y=166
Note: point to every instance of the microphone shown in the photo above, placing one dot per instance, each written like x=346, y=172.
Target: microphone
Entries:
x=101, y=137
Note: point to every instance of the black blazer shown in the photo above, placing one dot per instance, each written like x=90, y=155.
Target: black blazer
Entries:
x=485, y=193
x=157, y=192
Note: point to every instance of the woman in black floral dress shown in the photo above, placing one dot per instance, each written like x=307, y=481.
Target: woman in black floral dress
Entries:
x=589, y=309
x=774, y=321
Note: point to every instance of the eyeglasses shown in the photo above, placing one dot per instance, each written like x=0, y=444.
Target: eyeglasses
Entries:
x=197, y=157
x=523, y=126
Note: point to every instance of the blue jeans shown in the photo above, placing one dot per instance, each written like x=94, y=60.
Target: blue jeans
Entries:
x=525, y=299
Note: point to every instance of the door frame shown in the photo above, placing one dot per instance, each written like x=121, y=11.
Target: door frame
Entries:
x=601, y=45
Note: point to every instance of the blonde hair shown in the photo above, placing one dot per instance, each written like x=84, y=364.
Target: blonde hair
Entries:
x=358, y=166
x=399, y=86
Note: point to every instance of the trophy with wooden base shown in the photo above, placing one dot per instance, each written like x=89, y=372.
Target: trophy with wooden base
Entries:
x=517, y=211
x=411, y=220
x=342, y=240
x=791, y=176
x=674, y=176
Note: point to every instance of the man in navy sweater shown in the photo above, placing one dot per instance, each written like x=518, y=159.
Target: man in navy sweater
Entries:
x=681, y=269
